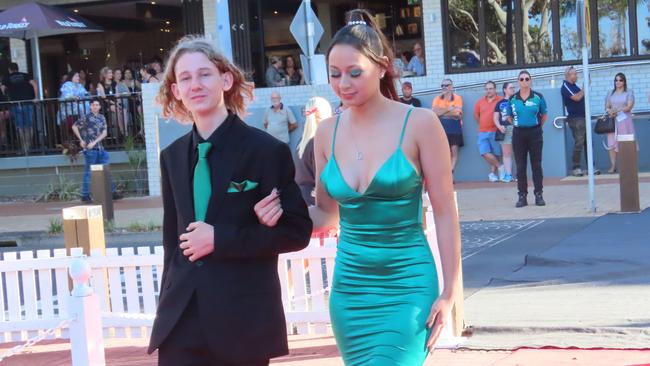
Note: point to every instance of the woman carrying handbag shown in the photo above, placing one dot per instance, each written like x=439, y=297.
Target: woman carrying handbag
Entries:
x=618, y=105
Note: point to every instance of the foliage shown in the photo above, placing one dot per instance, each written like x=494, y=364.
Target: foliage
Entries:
x=109, y=226
x=63, y=190
x=138, y=164
x=55, y=226
x=70, y=149
x=139, y=227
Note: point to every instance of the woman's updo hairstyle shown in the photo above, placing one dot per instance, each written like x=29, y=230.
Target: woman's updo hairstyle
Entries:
x=362, y=33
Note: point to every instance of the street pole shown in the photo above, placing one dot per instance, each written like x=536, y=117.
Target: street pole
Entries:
x=584, y=35
x=309, y=25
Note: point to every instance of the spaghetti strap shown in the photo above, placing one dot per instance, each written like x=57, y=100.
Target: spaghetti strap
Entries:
x=336, y=126
x=406, y=119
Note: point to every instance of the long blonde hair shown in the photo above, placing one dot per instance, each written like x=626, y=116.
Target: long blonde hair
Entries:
x=235, y=98
x=316, y=110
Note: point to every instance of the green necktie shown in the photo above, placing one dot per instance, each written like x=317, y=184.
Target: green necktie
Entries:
x=202, y=185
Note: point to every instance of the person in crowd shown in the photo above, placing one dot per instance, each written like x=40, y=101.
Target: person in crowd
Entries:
x=619, y=104
x=417, y=63
x=529, y=113
x=122, y=97
x=149, y=75
x=574, y=103
x=278, y=120
x=316, y=110
x=274, y=74
x=372, y=161
x=84, y=79
x=91, y=130
x=502, y=119
x=107, y=89
x=488, y=146
x=156, y=64
x=21, y=88
x=407, y=95
x=220, y=300
x=134, y=106
x=448, y=106
x=292, y=72
x=4, y=119
x=70, y=94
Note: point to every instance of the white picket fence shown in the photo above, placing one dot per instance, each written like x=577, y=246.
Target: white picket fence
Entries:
x=35, y=290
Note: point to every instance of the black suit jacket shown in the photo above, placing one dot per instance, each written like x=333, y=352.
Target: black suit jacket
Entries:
x=236, y=287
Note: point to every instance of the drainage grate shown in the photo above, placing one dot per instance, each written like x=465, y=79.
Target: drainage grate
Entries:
x=8, y=243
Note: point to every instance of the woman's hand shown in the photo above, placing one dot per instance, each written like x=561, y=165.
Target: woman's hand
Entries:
x=501, y=128
x=269, y=209
x=438, y=319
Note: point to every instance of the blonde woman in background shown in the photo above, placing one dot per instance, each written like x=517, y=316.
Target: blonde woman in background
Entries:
x=316, y=110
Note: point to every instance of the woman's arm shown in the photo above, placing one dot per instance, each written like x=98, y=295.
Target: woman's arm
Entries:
x=325, y=214
x=630, y=102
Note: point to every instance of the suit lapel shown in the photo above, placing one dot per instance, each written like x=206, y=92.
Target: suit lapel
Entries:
x=184, y=203
x=228, y=151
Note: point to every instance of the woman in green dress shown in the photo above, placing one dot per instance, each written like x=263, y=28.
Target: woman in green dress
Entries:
x=373, y=161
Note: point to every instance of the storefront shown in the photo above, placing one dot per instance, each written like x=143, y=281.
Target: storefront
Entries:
x=135, y=33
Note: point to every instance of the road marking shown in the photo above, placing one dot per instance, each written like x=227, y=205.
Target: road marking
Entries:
x=504, y=238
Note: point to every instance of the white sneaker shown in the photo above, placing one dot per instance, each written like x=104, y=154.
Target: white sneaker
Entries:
x=502, y=172
x=493, y=177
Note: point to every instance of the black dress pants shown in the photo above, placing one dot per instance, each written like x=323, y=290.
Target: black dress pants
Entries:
x=186, y=345
x=528, y=142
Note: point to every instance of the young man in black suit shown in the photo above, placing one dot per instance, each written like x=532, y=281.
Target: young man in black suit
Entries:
x=220, y=298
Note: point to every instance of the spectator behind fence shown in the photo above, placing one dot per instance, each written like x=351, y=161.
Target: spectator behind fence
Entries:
x=316, y=110
x=619, y=104
x=278, y=120
x=149, y=75
x=502, y=118
x=122, y=94
x=488, y=146
x=574, y=103
x=294, y=74
x=274, y=74
x=21, y=88
x=407, y=95
x=107, y=88
x=417, y=63
x=4, y=119
x=449, y=108
x=529, y=114
x=71, y=92
x=91, y=130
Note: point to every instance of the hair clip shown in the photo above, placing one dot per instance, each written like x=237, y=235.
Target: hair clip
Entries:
x=357, y=22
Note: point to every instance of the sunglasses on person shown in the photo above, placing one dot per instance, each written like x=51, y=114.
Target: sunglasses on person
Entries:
x=524, y=79
x=621, y=80
x=444, y=85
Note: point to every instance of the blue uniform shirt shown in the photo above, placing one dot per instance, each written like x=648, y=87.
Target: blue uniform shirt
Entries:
x=573, y=108
x=526, y=113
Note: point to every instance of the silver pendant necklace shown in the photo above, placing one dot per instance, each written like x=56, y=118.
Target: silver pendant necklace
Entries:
x=354, y=142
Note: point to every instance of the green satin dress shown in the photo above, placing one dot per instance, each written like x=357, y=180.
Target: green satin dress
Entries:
x=385, y=279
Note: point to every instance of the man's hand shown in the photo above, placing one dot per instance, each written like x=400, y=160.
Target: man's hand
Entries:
x=269, y=209
x=91, y=145
x=198, y=241
x=83, y=145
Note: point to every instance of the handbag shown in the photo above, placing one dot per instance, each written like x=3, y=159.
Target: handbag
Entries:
x=499, y=136
x=605, y=124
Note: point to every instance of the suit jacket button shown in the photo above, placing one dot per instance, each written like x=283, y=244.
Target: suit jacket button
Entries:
x=199, y=263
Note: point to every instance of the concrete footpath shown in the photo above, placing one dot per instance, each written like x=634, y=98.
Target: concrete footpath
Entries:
x=476, y=200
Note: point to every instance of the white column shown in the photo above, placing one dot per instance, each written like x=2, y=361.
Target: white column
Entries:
x=86, y=334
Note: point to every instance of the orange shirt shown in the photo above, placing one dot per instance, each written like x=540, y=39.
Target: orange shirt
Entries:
x=484, y=113
x=445, y=103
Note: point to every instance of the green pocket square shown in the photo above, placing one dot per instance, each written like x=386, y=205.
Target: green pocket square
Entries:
x=244, y=186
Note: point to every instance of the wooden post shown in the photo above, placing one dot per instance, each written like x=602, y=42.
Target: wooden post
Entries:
x=629, y=173
x=83, y=227
x=101, y=189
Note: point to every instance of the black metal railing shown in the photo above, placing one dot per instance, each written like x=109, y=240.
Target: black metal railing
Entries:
x=45, y=126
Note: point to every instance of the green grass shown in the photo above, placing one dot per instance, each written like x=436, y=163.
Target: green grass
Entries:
x=55, y=226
